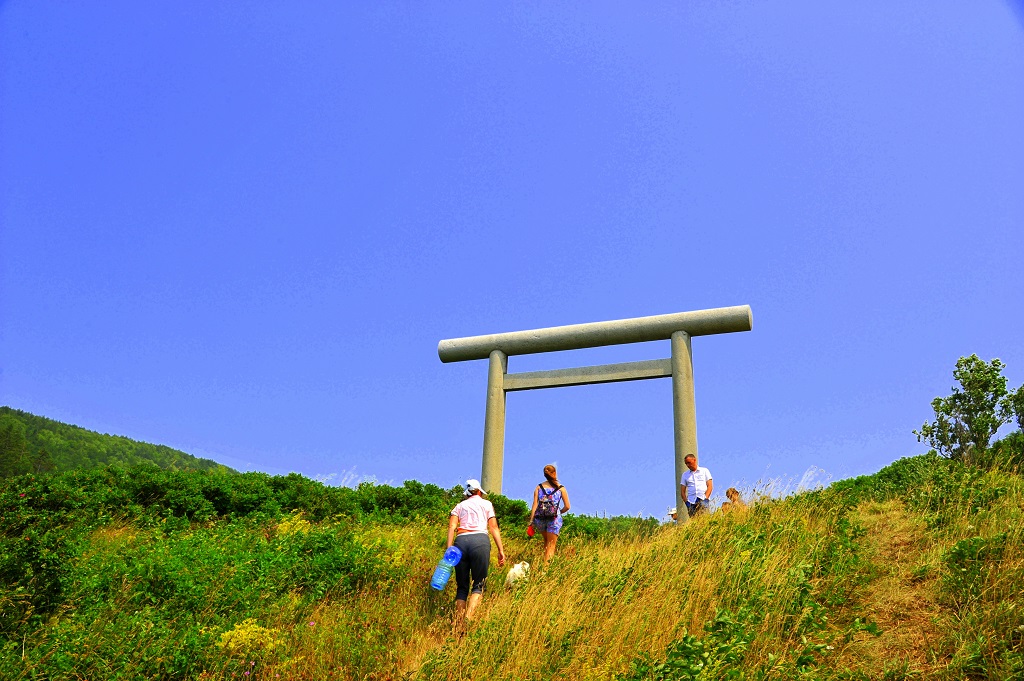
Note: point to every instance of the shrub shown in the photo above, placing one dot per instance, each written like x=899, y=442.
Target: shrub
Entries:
x=719, y=655
x=249, y=638
x=1008, y=454
x=593, y=527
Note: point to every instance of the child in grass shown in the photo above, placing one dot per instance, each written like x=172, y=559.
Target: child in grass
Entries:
x=735, y=500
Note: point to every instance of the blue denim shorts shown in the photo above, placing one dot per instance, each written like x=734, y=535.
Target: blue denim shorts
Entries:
x=552, y=525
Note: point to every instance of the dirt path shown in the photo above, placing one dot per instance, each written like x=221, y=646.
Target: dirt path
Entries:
x=903, y=606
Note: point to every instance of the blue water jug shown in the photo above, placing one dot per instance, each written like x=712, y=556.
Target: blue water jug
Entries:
x=444, y=569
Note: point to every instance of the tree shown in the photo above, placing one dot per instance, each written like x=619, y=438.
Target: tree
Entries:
x=13, y=448
x=1015, y=403
x=966, y=420
x=42, y=462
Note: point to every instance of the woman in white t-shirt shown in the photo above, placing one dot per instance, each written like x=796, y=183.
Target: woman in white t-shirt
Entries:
x=468, y=526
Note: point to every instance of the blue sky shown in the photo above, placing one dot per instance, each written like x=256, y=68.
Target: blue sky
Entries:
x=241, y=229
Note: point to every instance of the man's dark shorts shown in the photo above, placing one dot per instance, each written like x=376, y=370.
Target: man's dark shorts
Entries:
x=698, y=507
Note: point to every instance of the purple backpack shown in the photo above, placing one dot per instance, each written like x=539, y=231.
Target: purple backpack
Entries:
x=548, y=502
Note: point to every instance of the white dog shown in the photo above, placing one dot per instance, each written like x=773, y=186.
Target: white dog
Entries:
x=517, y=573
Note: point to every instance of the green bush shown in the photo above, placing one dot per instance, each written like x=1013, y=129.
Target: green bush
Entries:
x=967, y=566
x=718, y=655
x=511, y=513
x=167, y=593
x=1007, y=454
x=593, y=527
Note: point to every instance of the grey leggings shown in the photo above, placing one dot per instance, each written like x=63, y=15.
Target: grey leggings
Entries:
x=476, y=557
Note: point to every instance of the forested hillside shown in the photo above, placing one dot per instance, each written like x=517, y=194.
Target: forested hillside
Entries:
x=35, y=444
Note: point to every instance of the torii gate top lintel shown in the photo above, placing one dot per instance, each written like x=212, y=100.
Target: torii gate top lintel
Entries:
x=678, y=327
x=597, y=334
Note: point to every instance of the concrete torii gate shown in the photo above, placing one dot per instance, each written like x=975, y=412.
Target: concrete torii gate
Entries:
x=678, y=327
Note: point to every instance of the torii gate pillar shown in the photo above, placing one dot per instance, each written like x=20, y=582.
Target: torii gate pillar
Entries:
x=684, y=410
x=679, y=328
x=494, y=423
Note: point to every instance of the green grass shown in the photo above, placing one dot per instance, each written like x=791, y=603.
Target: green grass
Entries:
x=913, y=572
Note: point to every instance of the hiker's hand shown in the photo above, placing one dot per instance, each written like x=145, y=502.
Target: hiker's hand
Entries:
x=501, y=558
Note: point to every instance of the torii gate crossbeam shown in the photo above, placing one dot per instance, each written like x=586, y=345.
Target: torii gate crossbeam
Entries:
x=679, y=328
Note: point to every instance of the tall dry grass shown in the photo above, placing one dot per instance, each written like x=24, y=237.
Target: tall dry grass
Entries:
x=598, y=606
x=893, y=585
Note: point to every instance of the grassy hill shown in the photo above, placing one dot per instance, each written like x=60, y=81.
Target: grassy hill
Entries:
x=65, y=447
x=914, y=572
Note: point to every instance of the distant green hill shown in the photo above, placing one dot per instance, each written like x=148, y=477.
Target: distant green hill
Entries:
x=30, y=443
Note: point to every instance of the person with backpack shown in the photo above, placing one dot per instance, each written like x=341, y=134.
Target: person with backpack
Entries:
x=545, y=514
x=468, y=526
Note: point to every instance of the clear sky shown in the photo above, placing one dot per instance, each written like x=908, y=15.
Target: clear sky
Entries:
x=241, y=229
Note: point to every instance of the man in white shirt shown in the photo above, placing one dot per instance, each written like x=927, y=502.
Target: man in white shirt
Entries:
x=695, y=487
